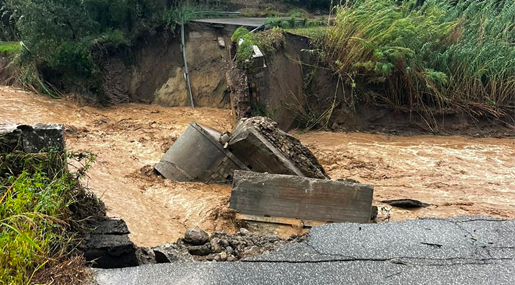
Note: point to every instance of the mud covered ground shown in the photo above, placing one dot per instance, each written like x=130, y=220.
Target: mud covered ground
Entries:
x=458, y=176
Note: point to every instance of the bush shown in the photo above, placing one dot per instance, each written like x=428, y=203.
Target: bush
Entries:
x=267, y=41
x=61, y=35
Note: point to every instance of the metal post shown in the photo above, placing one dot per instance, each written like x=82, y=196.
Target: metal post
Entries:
x=186, y=72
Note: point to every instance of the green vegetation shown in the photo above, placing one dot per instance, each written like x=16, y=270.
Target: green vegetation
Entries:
x=9, y=48
x=267, y=41
x=438, y=57
x=314, y=4
x=37, y=227
x=67, y=41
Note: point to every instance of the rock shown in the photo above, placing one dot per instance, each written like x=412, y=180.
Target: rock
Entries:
x=224, y=243
x=196, y=237
x=201, y=250
x=215, y=245
x=406, y=203
x=244, y=231
x=222, y=247
x=171, y=253
x=252, y=251
x=145, y=255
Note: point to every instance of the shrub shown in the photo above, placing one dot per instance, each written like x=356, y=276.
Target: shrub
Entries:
x=267, y=41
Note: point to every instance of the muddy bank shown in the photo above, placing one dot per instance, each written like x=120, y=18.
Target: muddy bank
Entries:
x=298, y=90
x=152, y=71
x=456, y=175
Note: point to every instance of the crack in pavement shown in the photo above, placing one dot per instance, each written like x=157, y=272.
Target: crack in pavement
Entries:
x=397, y=260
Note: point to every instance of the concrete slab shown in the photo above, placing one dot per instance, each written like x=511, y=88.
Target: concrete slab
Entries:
x=263, y=147
x=31, y=139
x=289, y=196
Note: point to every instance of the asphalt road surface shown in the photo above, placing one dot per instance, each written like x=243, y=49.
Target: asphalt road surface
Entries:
x=247, y=22
x=471, y=250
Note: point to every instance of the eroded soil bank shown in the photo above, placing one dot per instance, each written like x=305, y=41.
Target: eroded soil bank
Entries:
x=458, y=176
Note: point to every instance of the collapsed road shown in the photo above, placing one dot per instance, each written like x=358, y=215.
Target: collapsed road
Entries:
x=130, y=139
x=471, y=250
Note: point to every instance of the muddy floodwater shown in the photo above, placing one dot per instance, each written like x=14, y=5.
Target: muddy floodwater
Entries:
x=456, y=175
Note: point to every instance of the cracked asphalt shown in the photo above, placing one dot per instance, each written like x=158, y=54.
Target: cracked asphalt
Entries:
x=468, y=250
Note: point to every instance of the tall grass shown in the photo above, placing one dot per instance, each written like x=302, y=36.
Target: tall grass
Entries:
x=35, y=219
x=434, y=58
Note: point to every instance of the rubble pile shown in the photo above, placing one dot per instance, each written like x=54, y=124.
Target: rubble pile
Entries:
x=197, y=245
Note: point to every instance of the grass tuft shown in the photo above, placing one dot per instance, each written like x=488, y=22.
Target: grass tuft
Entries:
x=9, y=48
x=267, y=41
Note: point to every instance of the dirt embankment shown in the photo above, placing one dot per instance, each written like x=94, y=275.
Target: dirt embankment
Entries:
x=458, y=176
x=153, y=70
x=299, y=91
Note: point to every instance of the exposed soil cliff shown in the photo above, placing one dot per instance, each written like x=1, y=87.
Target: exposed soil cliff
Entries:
x=154, y=73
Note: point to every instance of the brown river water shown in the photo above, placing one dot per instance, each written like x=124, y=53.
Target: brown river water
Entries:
x=457, y=175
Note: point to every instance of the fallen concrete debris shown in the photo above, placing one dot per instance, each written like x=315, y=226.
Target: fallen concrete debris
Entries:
x=199, y=156
x=109, y=245
x=31, y=139
x=263, y=147
x=406, y=203
x=197, y=245
x=205, y=155
x=285, y=185
x=306, y=199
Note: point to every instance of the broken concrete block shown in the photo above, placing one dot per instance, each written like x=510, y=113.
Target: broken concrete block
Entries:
x=263, y=147
x=287, y=196
x=240, y=94
x=109, y=246
x=198, y=156
x=31, y=139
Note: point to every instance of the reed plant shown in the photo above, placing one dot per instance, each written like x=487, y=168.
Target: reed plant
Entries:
x=441, y=57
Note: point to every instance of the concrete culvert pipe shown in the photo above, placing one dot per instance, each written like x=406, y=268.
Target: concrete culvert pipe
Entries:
x=198, y=156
